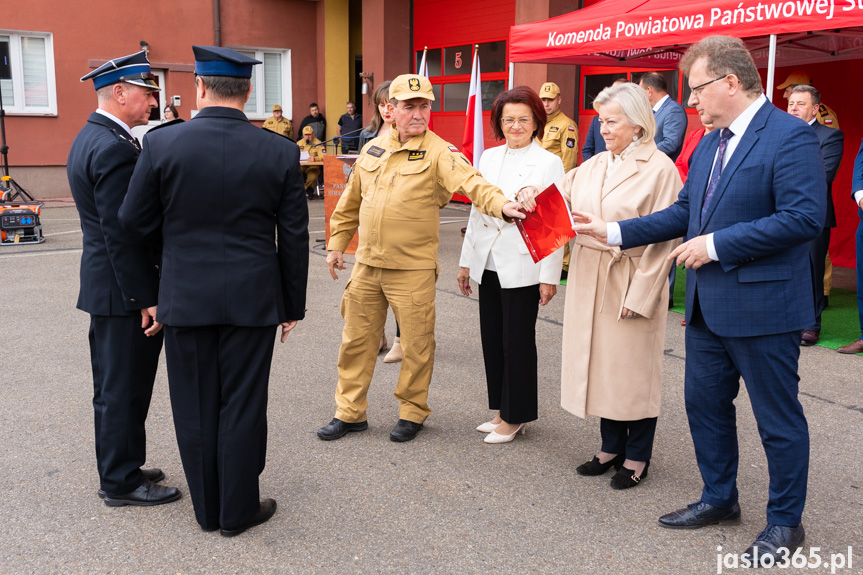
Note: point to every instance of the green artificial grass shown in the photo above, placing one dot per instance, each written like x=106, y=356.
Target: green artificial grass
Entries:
x=840, y=323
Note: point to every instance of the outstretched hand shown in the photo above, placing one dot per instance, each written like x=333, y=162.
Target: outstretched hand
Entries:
x=589, y=224
x=513, y=210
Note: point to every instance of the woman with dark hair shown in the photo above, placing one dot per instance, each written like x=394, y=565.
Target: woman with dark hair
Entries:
x=170, y=113
x=383, y=119
x=511, y=285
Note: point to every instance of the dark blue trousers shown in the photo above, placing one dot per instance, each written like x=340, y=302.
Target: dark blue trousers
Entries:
x=219, y=377
x=768, y=365
x=124, y=363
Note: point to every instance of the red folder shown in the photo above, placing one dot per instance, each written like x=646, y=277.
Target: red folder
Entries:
x=549, y=226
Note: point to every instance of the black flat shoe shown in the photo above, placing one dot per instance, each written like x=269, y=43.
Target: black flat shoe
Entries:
x=626, y=478
x=405, y=431
x=155, y=475
x=146, y=495
x=770, y=541
x=266, y=511
x=338, y=428
x=699, y=514
x=594, y=467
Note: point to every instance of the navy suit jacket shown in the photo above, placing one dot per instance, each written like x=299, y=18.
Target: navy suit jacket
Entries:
x=219, y=188
x=594, y=143
x=670, y=128
x=766, y=209
x=832, y=142
x=119, y=274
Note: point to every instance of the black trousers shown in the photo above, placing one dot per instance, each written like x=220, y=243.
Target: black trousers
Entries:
x=633, y=438
x=124, y=364
x=818, y=250
x=507, y=319
x=218, y=376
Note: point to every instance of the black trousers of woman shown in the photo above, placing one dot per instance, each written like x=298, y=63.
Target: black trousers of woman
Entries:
x=632, y=438
x=507, y=319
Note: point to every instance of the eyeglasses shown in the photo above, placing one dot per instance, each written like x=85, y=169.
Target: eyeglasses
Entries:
x=508, y=122
x=697, y=89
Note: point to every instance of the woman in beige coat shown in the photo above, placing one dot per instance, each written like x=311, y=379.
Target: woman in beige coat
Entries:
x=617, y=300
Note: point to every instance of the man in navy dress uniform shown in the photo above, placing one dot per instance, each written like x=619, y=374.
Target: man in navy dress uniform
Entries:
x=220, y=189
x=119, y=279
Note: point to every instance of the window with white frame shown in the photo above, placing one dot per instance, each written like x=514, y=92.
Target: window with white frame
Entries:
x=32, y=89
x=271, y=82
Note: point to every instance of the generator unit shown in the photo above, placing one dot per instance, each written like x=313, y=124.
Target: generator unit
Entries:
x=19, y=223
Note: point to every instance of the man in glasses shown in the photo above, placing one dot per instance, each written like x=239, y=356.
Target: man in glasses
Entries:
x=119, y=282
x=754, y=199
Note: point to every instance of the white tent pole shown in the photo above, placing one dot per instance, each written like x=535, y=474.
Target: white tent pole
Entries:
x=771, y=66
x=511, y=73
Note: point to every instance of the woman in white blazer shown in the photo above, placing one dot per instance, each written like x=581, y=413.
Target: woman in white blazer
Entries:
x=511, y=285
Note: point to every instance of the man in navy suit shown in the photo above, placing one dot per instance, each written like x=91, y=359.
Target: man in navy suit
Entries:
x=119, y=280
x=219, y=189
x=804, y=102
x=670, y=117
x=856, y=346
x=749, y=209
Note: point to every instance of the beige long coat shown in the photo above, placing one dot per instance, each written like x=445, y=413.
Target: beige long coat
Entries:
x=612, y=367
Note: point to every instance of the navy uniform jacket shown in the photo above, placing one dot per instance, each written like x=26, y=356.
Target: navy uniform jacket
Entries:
x=220, y=188
x=767, y=207
x=119, y=274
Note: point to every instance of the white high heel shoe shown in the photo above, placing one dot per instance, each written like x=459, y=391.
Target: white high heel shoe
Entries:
x=487, y=427
x=495, y=437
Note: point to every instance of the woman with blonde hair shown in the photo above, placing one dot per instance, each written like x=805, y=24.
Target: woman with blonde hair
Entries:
x=617, y=300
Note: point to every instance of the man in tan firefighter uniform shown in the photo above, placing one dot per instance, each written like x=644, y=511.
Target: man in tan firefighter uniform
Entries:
x=309, y=143
x=560, y=138
x=826, y=116
x=561, y=134
x=279, y=124
x=394, y=195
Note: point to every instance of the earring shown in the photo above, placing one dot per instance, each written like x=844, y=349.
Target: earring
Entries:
x=634, y=138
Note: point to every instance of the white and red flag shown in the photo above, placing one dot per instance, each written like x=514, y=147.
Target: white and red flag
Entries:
x=424, y=71
x=473, y=141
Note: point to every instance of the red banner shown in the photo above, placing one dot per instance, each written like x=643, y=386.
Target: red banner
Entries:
x=614, y=31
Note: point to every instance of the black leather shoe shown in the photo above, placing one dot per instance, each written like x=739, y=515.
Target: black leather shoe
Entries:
x=338, y=428
x=593, y=467
x=155, y=475
x=809, y=337
x=405, y=430
x=699, y=514
x=769, y=541
x=266, y=511
x=626, y=478
x=147, y=494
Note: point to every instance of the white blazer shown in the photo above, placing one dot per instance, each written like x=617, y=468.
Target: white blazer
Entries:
x=486, y=234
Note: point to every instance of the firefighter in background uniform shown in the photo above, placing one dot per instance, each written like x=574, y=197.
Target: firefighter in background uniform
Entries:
x=279, y=124
x=560, y=138
x=561, y=134
x=394, y=195
x=826, y=116
x=309, y=143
